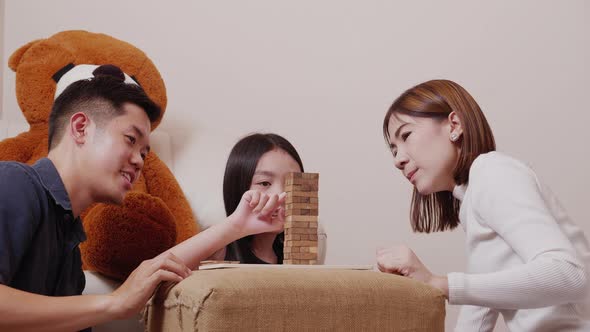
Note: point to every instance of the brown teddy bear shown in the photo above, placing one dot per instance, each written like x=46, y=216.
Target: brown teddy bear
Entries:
x=155, y=215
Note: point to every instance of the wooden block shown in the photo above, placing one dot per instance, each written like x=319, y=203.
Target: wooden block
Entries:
x=301, y=187
x=302, y=206
x=314, y=200
x=301, y=212
x=302, y=176
x=304, y=255
x=288, y=261
x=303, y=194
x=295, y=237
x=301, y=243
x=300, y=224
x=286, y=255
x=301, y=181
x=311, y=231
x=295, y=224
x=291, y=249
x=312, y=262
x=310, y=175
x=299, y=230
x=302, y=218
x=298, y=199
x=311, y=237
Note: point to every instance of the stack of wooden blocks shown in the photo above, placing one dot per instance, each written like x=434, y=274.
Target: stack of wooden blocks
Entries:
x=301, y=223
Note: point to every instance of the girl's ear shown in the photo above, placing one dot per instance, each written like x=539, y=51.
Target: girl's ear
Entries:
x=456, y=129
x=78, y=128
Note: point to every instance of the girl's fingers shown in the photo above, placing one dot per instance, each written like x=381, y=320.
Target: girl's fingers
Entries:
x=261, y=203
x=270, y=205
x=254, y=198
x=282, y=197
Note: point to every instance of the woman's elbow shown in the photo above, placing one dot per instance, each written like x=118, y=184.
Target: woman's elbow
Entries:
x=578, y=286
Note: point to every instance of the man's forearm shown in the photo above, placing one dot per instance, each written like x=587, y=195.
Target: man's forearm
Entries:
x=23, y=311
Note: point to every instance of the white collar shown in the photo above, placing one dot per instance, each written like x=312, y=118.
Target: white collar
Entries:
x=459, y=191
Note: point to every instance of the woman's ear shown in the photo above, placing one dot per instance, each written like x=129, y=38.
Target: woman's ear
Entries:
x=78, y=128
x=456, y=129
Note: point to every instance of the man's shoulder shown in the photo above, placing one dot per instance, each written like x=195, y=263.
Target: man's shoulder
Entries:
x=17, y=176
x=14, y=167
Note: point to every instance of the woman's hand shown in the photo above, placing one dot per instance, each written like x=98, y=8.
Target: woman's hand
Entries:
x=259, y=213
x=403, y=261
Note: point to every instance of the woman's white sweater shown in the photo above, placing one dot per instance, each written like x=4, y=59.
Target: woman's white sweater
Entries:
x=526, y=259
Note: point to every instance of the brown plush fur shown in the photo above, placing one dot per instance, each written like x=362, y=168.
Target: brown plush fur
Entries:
x=155, y=214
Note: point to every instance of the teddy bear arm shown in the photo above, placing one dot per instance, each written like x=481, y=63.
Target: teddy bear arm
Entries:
x=19, y=148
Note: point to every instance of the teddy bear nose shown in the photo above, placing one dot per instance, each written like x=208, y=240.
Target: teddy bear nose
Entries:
x=109, y=70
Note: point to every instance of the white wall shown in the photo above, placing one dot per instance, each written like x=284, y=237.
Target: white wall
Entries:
x=323, y=75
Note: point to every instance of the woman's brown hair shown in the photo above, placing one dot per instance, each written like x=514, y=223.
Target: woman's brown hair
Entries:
x=437, y=99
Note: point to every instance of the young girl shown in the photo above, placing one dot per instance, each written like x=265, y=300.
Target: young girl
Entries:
x=258, y=162
x=526, y=259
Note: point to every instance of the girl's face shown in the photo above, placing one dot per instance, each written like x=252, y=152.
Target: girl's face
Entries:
x=424, y=151
x=271, y=170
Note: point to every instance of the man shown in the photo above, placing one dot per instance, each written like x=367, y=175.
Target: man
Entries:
x=98, y=139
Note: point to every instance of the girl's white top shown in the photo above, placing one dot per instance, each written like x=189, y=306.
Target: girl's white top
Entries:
x=527, y=260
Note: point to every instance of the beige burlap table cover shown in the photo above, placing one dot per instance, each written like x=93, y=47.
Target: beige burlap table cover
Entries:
x=273, y=299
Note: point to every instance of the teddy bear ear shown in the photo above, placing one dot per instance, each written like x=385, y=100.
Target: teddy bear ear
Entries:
x=14, y=59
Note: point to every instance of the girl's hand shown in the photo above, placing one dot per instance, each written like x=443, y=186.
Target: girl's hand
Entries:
x=259, y=213
x=403, y=261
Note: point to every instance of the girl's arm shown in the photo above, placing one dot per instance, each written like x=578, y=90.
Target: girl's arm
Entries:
x=252, y=216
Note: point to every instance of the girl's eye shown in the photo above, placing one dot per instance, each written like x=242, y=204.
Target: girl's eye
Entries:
x=406, y=135
x=131, y=139
x=264, y=183
x=143, y=156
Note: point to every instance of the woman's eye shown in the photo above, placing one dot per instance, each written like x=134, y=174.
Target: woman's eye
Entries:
x=406, y=135
x=264, y=183
x=131, y=139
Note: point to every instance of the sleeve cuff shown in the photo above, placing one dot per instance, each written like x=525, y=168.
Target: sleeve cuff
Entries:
x=457, y=289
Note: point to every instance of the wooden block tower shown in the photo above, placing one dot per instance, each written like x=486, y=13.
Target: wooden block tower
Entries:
x=301, y=224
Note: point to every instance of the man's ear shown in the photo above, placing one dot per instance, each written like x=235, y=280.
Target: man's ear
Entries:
x=456, y=128
x=78, y=128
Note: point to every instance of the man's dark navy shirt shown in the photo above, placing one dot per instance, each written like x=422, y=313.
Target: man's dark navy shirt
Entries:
x=39, y=236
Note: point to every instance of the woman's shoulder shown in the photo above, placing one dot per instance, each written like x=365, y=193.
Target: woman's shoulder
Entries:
x=495, y=173
x=497, y=164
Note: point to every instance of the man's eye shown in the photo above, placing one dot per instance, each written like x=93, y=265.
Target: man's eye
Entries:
x=406, y=135
x=131, y=139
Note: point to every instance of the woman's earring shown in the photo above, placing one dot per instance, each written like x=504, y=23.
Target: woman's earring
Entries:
x=453, y=137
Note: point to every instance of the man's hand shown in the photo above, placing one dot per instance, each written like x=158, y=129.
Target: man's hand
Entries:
x=134, y=293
